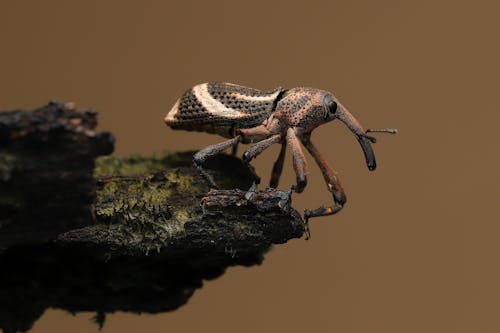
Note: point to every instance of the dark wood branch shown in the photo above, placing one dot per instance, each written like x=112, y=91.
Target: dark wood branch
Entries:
x=133, y=234
x=46, y=171
x=163, y=205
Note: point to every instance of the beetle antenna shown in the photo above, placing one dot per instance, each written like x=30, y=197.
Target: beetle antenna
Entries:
x=382, y=130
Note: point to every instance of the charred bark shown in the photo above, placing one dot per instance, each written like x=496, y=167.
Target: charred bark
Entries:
x=46, y=171
x=133, y=234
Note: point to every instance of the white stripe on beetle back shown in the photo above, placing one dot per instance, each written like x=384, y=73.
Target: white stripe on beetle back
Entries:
x=171, y=115
x=213, y=106
x=268, y=98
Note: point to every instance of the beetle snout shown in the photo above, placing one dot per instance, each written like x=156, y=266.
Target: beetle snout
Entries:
x=340, y=197
x=353, y=124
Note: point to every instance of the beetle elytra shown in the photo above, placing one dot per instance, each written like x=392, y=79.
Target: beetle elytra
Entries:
x=247, y=115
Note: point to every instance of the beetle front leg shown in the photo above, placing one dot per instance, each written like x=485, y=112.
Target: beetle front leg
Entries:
x=332, y=181
x=299, y=165
x=209, y=152
x=299, y=160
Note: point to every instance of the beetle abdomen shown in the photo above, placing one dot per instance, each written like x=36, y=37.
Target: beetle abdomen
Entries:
x=221, y=107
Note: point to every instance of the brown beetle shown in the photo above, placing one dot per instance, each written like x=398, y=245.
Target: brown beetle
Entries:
x=247, y=115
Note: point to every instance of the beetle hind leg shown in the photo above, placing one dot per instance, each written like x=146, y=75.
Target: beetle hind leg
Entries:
x=278, y=167
x=209, y=152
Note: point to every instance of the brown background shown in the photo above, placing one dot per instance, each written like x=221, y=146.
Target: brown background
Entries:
x=415, y=250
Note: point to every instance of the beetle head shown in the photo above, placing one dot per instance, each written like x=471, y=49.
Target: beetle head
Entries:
x=335, y=110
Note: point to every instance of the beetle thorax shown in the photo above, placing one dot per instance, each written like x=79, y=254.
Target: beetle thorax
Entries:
x=302, y=108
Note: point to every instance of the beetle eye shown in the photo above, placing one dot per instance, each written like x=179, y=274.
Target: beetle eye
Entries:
x=330, y=104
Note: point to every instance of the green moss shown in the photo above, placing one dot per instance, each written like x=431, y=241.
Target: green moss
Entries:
x=183, y=183
x=133, y=199
x=136, y=165
x=132, y=165
x=154, y=193
x=144, y=227
x=182, y=216
x=109, y=188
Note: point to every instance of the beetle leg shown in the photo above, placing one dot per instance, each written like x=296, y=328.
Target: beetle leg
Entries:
x=257, y=148
x=299, y=160
x=278, y=167
x=251, y=153
x=299, y=165
x=332, y=182
x=209, y=152
x=256, y=133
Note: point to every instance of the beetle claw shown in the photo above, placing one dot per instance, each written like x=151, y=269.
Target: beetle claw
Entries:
x=285, y=204
x=251, y=194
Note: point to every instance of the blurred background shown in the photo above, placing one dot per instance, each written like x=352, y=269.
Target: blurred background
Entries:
x=415, y=249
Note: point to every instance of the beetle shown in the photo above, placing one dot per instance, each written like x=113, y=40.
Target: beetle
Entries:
x=263, y=118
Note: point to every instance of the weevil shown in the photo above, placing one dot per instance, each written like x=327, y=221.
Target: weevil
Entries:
x=263, y=118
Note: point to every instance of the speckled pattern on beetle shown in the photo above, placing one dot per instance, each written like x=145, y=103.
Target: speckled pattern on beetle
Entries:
x=247, y=115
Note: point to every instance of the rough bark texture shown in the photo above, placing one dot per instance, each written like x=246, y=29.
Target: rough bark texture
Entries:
x=162, y=204
x=144, y=231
